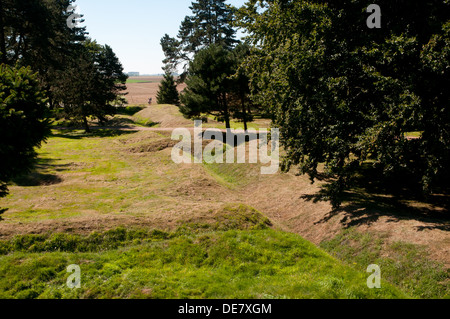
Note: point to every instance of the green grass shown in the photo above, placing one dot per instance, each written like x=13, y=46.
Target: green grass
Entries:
x=414, y=134
x=95, y=177
x=140, y=81
x=144, y=122
x=234, y=256
x=188, y=263
x=129, y=110
x=406, y=265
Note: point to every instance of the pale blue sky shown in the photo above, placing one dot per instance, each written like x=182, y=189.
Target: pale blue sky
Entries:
x=133, y=28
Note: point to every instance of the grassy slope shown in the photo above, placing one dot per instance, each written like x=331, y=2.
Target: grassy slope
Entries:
x=187, y=264
x=191, y=262
x=101, y=177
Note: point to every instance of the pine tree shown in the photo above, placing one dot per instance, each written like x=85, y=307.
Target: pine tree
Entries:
x=211, y=23
x=209, y=84
x=168, y=93
x=23, y=124
x=93, y=81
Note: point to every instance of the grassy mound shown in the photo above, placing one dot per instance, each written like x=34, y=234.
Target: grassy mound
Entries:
x=188, y=263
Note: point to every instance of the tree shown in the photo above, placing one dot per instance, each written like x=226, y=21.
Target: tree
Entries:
x=240, y=92
x=209, y=83
x=435, y=59
x=35, y=33
x=168, y=93
x=211, y=23
x=93, y=82
x=23, y=123
x=342, y=98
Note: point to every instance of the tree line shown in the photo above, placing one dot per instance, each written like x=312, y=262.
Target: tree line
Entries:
x=343, y=94
x=48, y=70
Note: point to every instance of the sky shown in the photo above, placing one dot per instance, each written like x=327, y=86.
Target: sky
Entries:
x=134, y=28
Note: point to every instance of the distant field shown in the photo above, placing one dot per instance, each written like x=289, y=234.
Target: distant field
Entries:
x=141, y=88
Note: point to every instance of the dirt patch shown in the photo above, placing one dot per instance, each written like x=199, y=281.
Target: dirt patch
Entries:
x=223, y=217
x=155, y=146
x=138, y=137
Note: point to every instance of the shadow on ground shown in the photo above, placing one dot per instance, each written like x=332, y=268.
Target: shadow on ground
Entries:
x=36, y=178
x=398, y=198
x=76, y=134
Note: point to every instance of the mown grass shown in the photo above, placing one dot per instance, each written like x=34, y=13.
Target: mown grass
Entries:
x=99, y=175
x=130, y=81
x=144, y=122
x=188, y=263
x=405, y=265
x=92, y=176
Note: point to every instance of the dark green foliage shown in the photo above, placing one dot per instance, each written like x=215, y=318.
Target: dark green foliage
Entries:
x=343, y=94
x=208, y=84
x=239, y=95
x=168, y=93
x=76, y=73
x=211, y=23
x=217, y=85
x=35, y=33
x=96, y=80
x=23, y=124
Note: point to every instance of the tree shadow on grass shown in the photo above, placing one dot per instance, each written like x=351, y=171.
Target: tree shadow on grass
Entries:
x=2, y=211
x=129, y=110
x=36, y=177
x=76, y=134
x=398, y=198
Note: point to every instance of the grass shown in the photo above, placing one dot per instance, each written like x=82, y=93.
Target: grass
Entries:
x=182, y=236
x=144, y=122
x=404, y=264
x=188, y=263
x=235, y=124
x=89, y=167
x=129, y=110
x=129, y=81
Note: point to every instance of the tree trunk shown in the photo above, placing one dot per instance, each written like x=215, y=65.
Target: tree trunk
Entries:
x=226, y=112
x=244, y=112
x=86, y=125
x=2, y=36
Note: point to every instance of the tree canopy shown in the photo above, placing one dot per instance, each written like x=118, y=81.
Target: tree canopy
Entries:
x=210, y=23
x=168, y=92
x=96, y=81
x=343, y=94
x=23, y=124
